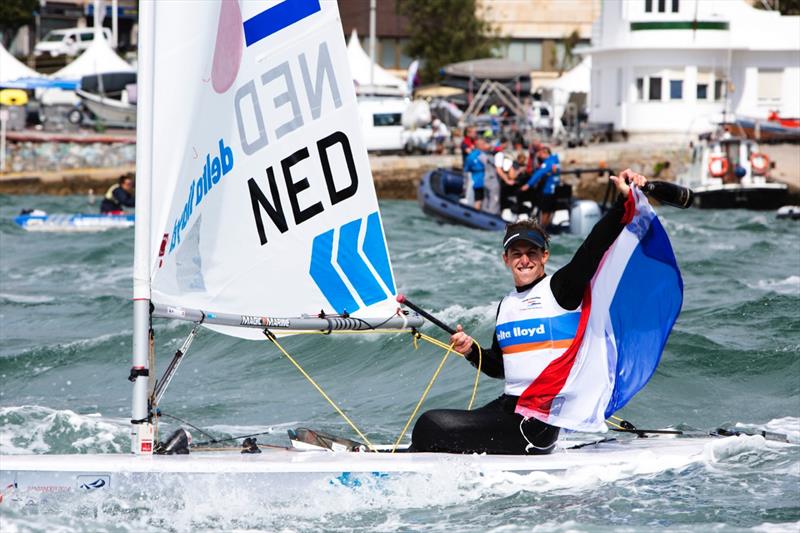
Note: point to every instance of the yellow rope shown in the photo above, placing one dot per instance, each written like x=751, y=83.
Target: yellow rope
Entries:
x=612, y=424
x=422, y=399
x=617, y=418
x=415, y=337
x=274, y=340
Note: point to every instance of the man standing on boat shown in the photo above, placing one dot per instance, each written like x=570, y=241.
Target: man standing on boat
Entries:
x=536, y=299
x=119, y=196
x=545, y=178
x=475, y=164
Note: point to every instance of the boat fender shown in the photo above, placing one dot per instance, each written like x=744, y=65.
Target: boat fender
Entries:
x=759, y=163
x=718, y=166
x=249, y=445
x=177, y=444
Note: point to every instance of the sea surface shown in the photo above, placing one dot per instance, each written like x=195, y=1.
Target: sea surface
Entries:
x=733, y=361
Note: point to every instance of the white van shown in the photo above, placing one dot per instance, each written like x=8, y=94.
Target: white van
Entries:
x=70, y=41
x=382, y=122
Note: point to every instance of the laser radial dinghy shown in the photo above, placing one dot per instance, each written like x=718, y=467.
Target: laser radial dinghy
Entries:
x=255, y=206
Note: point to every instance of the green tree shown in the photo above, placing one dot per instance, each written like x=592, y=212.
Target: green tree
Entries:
x=14, y=14
x=568, y=59
x=444, y=32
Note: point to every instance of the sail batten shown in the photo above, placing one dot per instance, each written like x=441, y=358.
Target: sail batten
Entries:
x=263, y=196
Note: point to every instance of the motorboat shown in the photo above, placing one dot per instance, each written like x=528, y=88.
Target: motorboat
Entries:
x=731, y=172
x=110, y=97
x=441, y=194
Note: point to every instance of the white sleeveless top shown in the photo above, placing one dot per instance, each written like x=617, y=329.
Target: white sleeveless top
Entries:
x=532, y=330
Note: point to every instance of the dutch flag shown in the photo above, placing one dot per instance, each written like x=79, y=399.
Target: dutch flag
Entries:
x=628, y=312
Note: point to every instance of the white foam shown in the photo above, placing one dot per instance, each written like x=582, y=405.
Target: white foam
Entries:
x=788, y=425
x=790, y=285
x=32, y=428
x=25, y=298
x=789, y=527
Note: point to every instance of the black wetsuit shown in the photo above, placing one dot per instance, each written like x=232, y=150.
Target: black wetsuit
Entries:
x=495, y=428
x=115, y=199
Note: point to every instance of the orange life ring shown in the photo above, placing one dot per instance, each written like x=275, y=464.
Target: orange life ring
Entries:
x=718, y=166
x=759, y=163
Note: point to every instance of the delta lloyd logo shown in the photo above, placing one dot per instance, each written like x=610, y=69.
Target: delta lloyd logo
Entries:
x=371, y=285
x=214, y=168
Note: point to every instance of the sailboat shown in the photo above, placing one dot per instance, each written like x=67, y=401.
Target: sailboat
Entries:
x=257, y=217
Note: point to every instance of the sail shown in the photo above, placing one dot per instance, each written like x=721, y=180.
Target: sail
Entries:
x=626, y=318
x=262, y=197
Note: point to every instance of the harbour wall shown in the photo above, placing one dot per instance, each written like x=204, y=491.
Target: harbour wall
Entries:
x=64, y=165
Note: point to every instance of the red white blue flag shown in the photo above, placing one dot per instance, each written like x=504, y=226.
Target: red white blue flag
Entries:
x=628, y=312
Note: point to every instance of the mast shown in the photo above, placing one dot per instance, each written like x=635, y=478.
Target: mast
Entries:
x=141, y=426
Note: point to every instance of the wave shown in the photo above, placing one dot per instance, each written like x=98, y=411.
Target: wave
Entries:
x=42, y=430
x=790, y=285
x=6, y=298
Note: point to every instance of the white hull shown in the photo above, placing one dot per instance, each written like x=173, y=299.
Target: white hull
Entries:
x=108, y=109
x=277, y=468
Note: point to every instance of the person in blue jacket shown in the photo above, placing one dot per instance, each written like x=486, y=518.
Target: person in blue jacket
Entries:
x=546, y=178
x=475, y=164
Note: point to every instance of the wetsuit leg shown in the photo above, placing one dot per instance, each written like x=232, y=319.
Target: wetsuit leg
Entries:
x=493, y=429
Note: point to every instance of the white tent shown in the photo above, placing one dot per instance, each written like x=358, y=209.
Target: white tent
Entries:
x=576, y=80
x=383, y=83
x=13, y=69
x=99, y=58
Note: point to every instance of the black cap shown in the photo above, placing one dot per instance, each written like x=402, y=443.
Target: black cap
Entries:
x=527, y=235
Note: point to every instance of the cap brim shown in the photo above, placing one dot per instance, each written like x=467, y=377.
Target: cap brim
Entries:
x=530, y=237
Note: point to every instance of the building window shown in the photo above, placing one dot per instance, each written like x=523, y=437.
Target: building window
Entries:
x=654, y=89
x=674, y=6
x=676, y=89
x=648, y=6
x=525, y=51
x=702, y=91
x=639, y=89
x=719, y=90
x=770, y=83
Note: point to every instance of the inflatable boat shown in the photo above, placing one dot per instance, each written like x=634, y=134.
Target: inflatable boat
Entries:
x=441, y=195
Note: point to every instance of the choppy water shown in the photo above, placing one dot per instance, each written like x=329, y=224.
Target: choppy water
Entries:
x=733, y=360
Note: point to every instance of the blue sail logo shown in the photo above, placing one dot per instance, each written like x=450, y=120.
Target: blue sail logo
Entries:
x=352, y=265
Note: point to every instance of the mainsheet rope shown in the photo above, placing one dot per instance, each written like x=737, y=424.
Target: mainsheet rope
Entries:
x=416, y=335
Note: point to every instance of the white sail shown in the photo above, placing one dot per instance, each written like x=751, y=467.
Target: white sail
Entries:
x=262, y=197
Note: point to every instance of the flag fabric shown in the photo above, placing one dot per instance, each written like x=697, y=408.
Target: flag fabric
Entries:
x=628, y=311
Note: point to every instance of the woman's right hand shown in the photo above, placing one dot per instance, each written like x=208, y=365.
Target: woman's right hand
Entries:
x=462, y=343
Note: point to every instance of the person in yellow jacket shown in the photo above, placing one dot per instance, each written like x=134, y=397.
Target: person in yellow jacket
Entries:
x=119, y=196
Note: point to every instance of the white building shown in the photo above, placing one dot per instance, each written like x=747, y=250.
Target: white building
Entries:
x=673, y=67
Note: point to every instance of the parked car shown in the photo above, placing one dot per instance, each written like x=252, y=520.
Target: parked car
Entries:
x=70, y=41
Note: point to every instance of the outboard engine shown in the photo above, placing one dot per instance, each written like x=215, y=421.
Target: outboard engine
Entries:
x=583, y=215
